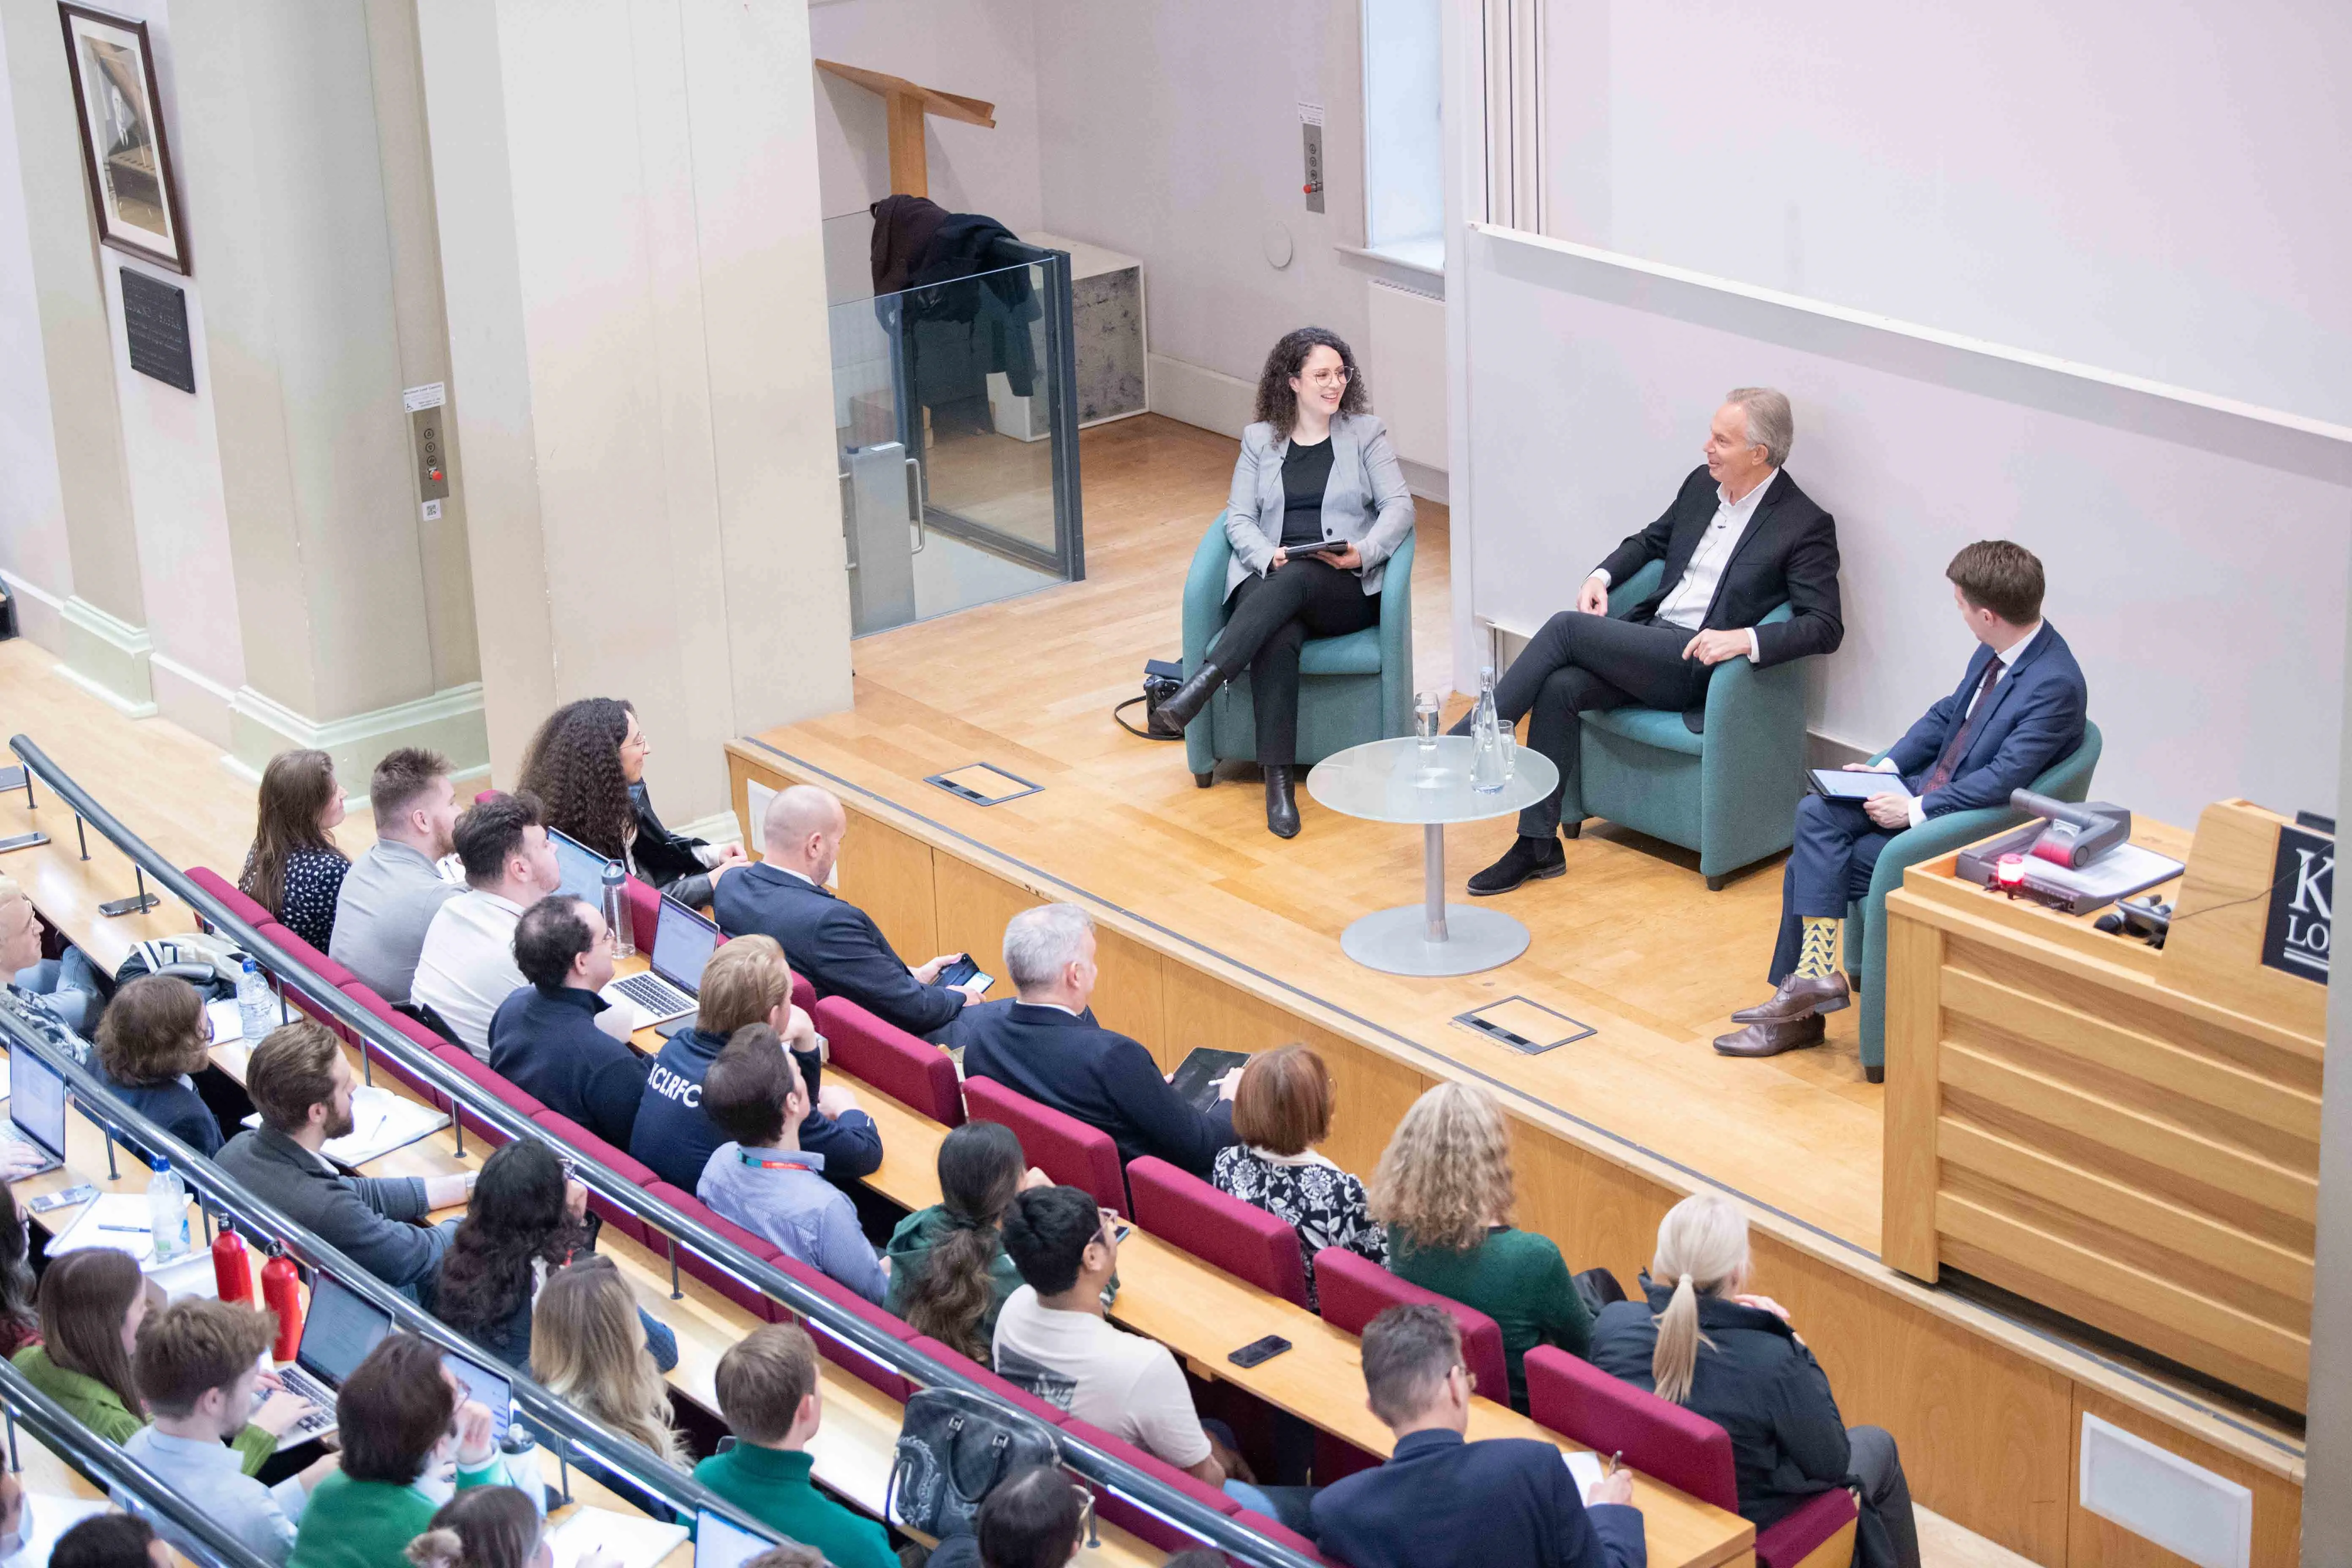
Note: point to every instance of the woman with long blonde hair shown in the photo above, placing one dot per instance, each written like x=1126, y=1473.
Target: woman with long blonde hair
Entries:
x=588, y=1345
x=1704, y=1340
x=1445, y=1191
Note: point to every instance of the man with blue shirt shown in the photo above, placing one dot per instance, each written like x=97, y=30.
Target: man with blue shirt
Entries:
x=1441, y=1503
x=544, y=1039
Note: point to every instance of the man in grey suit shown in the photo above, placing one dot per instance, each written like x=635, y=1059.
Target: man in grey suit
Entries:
x=302, y=1087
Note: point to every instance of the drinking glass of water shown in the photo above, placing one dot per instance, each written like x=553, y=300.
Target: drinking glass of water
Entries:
x=1425, y=710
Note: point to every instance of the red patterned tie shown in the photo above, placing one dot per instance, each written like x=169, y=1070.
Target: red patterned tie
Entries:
x=1958, y=746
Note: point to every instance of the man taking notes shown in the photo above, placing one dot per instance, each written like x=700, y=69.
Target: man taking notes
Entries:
x=2018, y=709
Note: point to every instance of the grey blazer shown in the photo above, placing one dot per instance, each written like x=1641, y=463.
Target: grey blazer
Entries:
x=1365, y=501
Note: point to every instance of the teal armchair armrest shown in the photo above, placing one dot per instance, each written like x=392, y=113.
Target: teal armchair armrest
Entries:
x=1624, y=596
x=1396, y=642
x=1752, y=766
x=1204, y=616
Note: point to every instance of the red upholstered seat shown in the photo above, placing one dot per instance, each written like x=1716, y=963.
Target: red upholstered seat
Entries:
x=384, y=1061
x=1281, y=1535
x=803, y=994
x=644, y=913
x=910, y=1070
x=887, y=1379
x=298, y=994
x=1241, y=1238
x=1073, y=1153
x=1148, y=1527
x=1020, y=1397
x=1350, y=1291
x=462, y=1060
x=221, y=888
x=1668, y=1443
x=563, y=1130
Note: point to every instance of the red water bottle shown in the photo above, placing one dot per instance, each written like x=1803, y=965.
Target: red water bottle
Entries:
x=232, y=1269
x=281, y=1293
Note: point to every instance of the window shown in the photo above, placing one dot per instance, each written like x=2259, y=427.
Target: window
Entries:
x=1404, y=184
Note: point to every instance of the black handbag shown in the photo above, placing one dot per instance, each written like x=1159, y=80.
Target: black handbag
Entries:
x=953, y=1448
x=1162, y=677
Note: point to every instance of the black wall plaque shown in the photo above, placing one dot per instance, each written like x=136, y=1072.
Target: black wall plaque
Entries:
x=2302, y=924
x=156, y=318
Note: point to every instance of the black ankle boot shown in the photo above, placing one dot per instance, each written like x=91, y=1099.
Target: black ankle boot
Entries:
x=1193, y=696
x=1281, y=805
x=1526, y=861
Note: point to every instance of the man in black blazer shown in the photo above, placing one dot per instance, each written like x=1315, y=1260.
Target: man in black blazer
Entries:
x=835, y=944
x=2019, y=708
x=1739, y=541
x=1048, y=1047
x=1441, y=1503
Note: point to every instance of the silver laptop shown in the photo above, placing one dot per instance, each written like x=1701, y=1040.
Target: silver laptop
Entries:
x=341, y=1327
x=36, y=1111
x=583, y=868
x=683, y=943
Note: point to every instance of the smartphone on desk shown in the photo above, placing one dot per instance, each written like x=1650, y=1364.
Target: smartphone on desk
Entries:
x=22, y=841
x=1259, y=1352
x=962, y=971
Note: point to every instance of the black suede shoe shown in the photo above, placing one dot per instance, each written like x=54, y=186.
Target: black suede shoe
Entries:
x=1281, y=804
x=1526, y=861
x=1192, y=697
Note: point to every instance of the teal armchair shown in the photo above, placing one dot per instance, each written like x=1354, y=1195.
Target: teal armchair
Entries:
x=1351, y=688
x=1729, y=793
x=1865, y=940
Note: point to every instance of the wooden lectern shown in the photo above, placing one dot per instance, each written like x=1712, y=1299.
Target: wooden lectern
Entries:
x=2125, y=1135
x=906, y=104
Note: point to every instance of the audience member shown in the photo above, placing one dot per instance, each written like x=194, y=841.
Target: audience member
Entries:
x=293, y=868
x=1441, y=1503
x=400, y=1416
x=199, y=1363
x=523, y=1219
x=56, y=1016
x=746, y=982
x=589, y=1344
x=1443, y=1189
x=544, y=1039
x=93, y=1300
x=391, y=893
x=468, y=966
x=836, y=944
x=762, y=1180
x=66, y=985
x=1047, y=1046
x=587, y=763
x=1033, y=1518
x=20, y=1322
x=150, y=1037
x=110, y=1540
x=302, y=1087
x=790, y=1555
x=949, y=1275
x=768, y=1396
x=1703, y=1341
x=1281, y=1111
x=488, y=1527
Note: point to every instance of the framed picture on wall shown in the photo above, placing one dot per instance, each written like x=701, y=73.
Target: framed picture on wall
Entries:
x=123, y=148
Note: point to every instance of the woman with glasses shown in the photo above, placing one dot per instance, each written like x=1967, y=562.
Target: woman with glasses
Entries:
x=1319, y=505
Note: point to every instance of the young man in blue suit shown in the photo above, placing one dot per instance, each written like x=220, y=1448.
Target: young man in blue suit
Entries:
x=2019, y=708
x=834, y=944
x=1441, y=1503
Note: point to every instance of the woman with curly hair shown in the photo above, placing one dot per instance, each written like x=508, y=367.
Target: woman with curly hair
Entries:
x=587, y=765
x=1319, y=505
x=524, y=1219
x=1444, y=1190
x=293, y=868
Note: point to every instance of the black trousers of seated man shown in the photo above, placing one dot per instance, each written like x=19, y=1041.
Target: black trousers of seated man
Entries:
x=1271, y=618
x=1829, y=866
x=1585, y=663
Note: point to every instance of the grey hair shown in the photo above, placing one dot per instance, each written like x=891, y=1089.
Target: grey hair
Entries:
x=1040, y=943
x=1772, y=423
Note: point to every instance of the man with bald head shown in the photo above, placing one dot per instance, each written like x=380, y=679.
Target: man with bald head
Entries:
x=835, y=944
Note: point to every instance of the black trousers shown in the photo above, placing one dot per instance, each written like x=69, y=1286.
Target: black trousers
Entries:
x=1582, y=663
x=1271, y=617
x=1888, y=1535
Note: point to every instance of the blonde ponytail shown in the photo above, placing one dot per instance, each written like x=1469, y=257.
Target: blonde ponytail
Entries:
x=1703, y=1249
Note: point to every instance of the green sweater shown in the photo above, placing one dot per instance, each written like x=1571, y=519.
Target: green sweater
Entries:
x=773, y=1486
x=101, y=1410
x=1514, y=1277
x=910, y=1253
x=369, y=1524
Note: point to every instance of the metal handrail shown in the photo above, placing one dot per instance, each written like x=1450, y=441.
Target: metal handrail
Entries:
x=1145, y=1492
x=102, y=1461
x=549, y=1416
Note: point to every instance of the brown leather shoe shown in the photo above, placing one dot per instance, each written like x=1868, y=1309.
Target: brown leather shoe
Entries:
x=1771, y=1039
x=1797, y=996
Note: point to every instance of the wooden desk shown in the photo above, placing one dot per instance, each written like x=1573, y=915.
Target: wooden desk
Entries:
x=2126, y=1135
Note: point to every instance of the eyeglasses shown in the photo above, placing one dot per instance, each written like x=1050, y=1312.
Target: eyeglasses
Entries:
x=1329, y=377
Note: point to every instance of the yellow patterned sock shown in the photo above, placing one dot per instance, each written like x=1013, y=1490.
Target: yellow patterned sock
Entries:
x=1818, y=957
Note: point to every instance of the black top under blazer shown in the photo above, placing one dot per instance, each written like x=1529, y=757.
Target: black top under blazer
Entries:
x=834, y=944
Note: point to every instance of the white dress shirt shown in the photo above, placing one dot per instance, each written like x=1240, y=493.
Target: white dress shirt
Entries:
x=2007, y=660
x=1686, y=606
x=467, y=968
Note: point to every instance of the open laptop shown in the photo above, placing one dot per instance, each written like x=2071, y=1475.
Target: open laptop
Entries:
x=583, y=868
x=683, y=943
x=493, y=1387
x=340, y=1328
x=36, y=1110
x=720, y=1542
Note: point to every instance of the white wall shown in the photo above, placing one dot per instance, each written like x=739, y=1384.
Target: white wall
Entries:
x=2153, y=186
x=32, y=502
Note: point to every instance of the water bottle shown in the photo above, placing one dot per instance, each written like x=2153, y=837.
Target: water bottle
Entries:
x=281, y=1293
x=257, y=1009
x=1490, y=770
x=167, y=1211
x=617, y=910
x=232, y=1267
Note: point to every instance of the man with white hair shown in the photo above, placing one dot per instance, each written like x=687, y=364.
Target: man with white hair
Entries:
x=1739, y=541
x=1047, y=1046
x=834, y=944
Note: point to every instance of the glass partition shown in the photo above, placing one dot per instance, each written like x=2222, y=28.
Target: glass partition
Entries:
x=956, y=434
